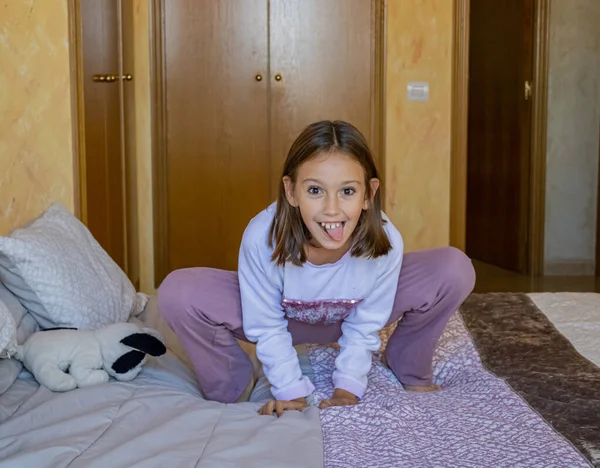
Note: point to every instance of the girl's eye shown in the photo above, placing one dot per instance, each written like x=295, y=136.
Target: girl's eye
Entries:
x=348, y=191
x=314, y=190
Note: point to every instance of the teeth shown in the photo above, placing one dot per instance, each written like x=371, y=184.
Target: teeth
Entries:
x=331, y=225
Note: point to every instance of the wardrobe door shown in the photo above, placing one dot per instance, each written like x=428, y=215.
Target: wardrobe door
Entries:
x=323, y=66
x=214, y=161
x=103, y=198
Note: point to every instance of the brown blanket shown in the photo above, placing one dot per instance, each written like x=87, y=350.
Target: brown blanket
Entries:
x=519, y=344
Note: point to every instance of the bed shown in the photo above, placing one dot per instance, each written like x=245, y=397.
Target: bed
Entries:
x=504, y=403
x=520, y=378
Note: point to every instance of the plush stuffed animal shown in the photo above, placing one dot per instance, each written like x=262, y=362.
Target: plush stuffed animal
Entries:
x=63, y=359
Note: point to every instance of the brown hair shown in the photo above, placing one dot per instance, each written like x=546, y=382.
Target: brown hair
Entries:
x=288, y=232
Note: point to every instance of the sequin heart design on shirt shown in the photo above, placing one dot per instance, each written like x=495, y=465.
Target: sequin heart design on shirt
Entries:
x=325, y=312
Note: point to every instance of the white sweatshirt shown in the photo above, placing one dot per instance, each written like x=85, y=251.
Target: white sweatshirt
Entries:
x=360, y=292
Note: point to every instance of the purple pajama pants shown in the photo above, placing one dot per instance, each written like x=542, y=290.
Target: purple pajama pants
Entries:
x=202, y=306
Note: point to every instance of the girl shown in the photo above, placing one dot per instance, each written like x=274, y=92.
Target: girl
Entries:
x=322, y=264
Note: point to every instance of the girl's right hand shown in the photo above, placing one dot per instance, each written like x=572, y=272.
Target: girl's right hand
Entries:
x=279, y=406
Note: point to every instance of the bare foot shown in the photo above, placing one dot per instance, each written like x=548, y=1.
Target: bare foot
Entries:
x=256, y=374
x=245, y=396
x=384, y=360
x=422, y=388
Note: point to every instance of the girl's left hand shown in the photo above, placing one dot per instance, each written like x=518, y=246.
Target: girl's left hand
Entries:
x=279, y=406
x=340, y=398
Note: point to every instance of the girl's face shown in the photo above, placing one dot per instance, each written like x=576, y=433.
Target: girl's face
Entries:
x=330, y=192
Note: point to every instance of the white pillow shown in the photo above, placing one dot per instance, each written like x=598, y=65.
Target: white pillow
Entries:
x=61, y=274
x=8, y=332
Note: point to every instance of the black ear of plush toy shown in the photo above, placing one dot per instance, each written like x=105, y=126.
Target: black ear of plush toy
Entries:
x=127, y=362
x=145, y=343
x=141, y=343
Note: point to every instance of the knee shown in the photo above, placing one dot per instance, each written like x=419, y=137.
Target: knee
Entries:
x=176, y=294
x=455, y=271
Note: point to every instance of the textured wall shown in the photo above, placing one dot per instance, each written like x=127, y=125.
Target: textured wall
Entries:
x=573, y=136
x=419, y=48
x=36, y=155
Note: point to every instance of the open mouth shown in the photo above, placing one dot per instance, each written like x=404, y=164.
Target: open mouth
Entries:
x=334, y=231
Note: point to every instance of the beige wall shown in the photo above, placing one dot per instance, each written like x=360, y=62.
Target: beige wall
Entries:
x=419, y=48
x=36, y=155
x=573, y=137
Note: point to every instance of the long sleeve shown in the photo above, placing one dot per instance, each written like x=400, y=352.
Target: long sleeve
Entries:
x=265, y=324
x=360, y=330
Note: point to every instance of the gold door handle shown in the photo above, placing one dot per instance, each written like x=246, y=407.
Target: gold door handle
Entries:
x=258, y=77
x=278, y=77
x=527, y=90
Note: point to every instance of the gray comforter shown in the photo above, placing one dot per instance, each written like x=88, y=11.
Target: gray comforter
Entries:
x=157, y=420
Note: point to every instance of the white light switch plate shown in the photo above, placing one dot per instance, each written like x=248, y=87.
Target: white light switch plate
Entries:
x=418, y=91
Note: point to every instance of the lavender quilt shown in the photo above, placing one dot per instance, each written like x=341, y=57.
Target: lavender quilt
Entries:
x=478, y=419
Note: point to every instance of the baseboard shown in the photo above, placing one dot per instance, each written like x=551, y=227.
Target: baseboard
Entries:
x=569, y=268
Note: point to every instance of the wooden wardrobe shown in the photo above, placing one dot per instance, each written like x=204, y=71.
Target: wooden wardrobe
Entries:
x=235, y=82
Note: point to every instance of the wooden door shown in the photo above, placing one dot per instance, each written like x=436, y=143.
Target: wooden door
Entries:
x=324, y=65
x=500, y=64
x=215, y=129
x=103, y=195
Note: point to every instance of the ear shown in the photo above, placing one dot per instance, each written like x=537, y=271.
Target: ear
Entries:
x=145, y=343
x=374, y=183
x=127, y=362
x=289, y=191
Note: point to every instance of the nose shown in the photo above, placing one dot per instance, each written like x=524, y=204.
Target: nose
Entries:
x=332, y=205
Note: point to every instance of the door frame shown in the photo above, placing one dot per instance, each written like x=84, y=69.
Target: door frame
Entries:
x=597, y=269
x=459, y=131
x=158, y=117
x=77, y=110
